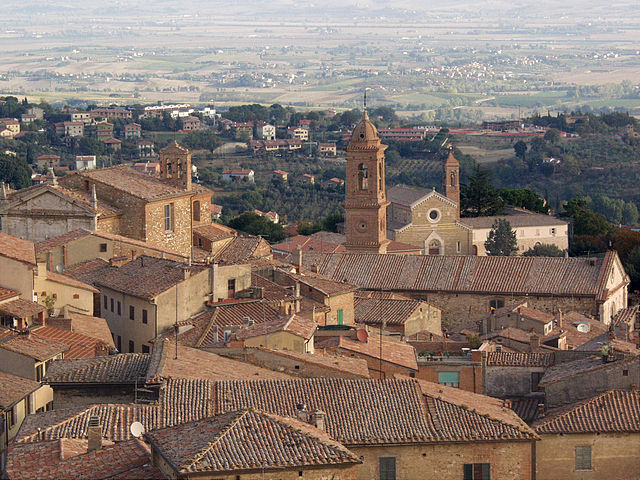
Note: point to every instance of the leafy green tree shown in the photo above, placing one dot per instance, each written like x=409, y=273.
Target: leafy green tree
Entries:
x=14, y=171
x=90, y=146
x=585, y=221
x=479, y=197
x=544, y=250
x=520, y=148
x=255, y=224
x=552, y=136
x=630, y=214
x=524, y=198
x=502, y=239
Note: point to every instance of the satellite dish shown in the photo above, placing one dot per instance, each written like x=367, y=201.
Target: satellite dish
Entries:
x=583, y=328
x=362, y=335
x=137, y=429
x=60, y=268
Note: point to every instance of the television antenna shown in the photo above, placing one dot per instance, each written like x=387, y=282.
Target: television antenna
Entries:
x=60, y=268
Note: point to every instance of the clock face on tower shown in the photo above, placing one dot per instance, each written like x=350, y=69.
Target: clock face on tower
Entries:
x=361, y=226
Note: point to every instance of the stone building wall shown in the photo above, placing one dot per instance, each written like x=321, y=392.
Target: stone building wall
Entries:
x=509, y=460
x=470, y=375
x=510, y=381
x=178, y=239
x=614, y=456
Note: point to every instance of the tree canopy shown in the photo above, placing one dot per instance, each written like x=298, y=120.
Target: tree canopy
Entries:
x=15, y=171
x=544, y=250
x=502, y=239
x=585, y=221
x=480, y=198
x=255, y=224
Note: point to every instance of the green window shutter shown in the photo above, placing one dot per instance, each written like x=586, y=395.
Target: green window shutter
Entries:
x=340, y=320
x=448, y=377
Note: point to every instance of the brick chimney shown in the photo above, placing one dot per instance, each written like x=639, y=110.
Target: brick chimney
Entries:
x=298, y=257
x=3, y=191
x=560, y=319
x=94, y=434
x=541, y=410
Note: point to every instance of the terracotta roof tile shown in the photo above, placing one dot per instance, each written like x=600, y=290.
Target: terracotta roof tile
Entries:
x=518, y=359
x=6, y=293
x=69, y=459
x=13, y=389
x=372, y=311
x=394, y=410
x=137, y=184
x=324, y=285
x=294, y=325
x=80, y=346
x=94, y=327
x=271, y=291
x=393, y=351
x=32, y=346
x=146, y=277
x=536, y=315
x=54, y=242
x=615, y=411
x=442, y=273
x=124, y=368
x=239, y=250
x=21, y=308
x=458, y=415
x=69, y=281
x=215, y=232
x=17, y=249
x=90, y=271
x=351, y=365
x=573, y=369
x=246, y=440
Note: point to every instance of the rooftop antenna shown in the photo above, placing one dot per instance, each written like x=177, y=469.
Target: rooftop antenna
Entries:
x=365, y=99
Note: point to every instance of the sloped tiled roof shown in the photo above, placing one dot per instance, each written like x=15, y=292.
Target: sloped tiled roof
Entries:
x=68, y=458
x=457, y=415
x=338, y=363
x=357, y=411
x=32, y=346
x=137, y=184
x=615, y=411
x=54, y=242
x=94, y=327
x=17, y=249
x=215, y=231
x=80, y=346
x=246, y=440
x=69, y=281
x=393, y=351
x=372, y=311
x=124, y=368
x=90, y=271
x=473, y=274
x=294, y=325
x=568, y=370
x=407, y=196
x=519, y=220
x=14, y=389
x=271, y=291
x=6, y=293
x=21, y=308
x=146, y=277
x=239, y=250
x=324, y=285
x=536, y=315
x=518, y=359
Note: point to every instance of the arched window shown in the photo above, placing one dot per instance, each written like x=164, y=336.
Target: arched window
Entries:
x=434, y=247
x=363, y=177
x=169, y=169
x=179, y=169
x=196, y=211
x=453, y=179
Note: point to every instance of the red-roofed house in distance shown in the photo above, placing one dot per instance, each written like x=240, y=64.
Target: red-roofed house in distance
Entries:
x=239, y=175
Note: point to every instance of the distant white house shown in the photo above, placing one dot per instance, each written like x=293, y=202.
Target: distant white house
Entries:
x=267, y=132
x=86, y=162
x=238, y=175
x=208, y=112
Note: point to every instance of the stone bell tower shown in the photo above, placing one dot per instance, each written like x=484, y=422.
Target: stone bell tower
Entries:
x=175, y=166
x=451, y=180
x=366, y=202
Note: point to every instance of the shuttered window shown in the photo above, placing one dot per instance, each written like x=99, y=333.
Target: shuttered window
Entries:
x=583, y=458
x=387, y=468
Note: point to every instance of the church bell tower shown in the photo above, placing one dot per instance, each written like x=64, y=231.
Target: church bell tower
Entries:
x=451, y=180
x=366, y=202
x=175, y=166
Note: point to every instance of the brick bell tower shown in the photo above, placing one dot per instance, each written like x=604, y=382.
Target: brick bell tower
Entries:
x=366, y=202
x=175, y=166
x=451, y=180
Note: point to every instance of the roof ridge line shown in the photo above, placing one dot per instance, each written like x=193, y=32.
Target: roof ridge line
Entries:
x=205, y=332
x=572, y=409
x=208, y=448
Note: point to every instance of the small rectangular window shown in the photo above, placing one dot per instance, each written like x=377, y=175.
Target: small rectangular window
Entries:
x=231, y=287
x=496, y=303
x=112, y=303
x=169, y=217
x=119, y=308
x=145, y=348
x=340, y=316
x=477, y=471
x=450, y=379
x=583, y=458
x=553, y=231
x=103, y=247
x=132, y=312
x=459, y=247
x=144, y=315
x=105, y=302
x=132, y=347
x=387, y=468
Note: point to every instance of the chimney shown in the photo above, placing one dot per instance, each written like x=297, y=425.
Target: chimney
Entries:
x=3, y=191
x=301, y=412
x=94, y=434
x=560, y=318
x=298, y=254
x=94, y=197
x=186, y=271
x=319, y=420
x=541, y=410
x=634, y=387
x=534, y=342
x=507, y=404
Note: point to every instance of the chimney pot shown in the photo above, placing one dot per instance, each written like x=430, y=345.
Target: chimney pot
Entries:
x=301, y=412
x=541, y=410
x=319, y=420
